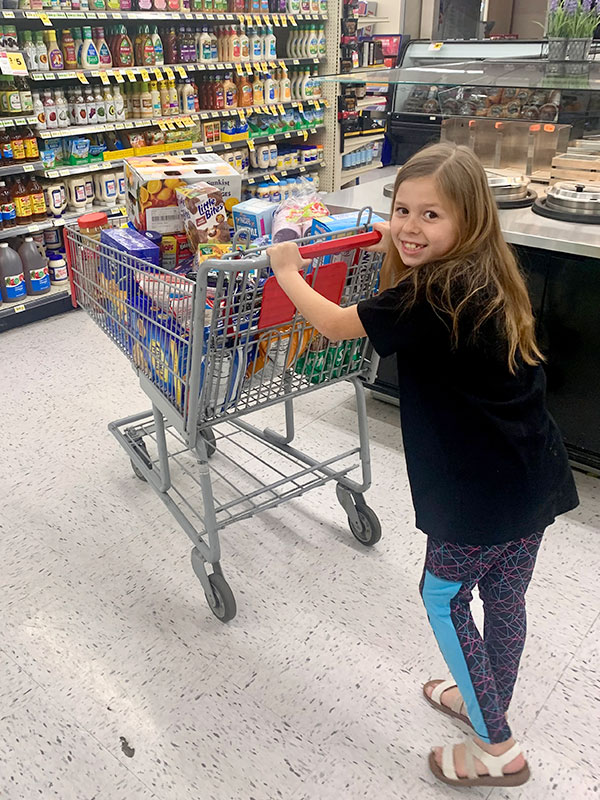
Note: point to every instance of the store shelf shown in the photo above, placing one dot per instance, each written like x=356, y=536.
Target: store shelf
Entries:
x=361, y=22
x=370, y=102
x=248, y=68
x=9, y=122
x=277, y=137
x=32, y=309
x=277, y=20
x=354, y=142
x=19, y=169
x=351, y=174
x=58, y=222
x=63, y=172
x=265, y=175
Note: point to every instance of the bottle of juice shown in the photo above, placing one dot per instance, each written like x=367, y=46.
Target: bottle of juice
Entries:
x=6, y=153
x=7, y=207
x=22, y=201
x=17, y=146
x=38, y=202
x=35, y=267
x=32, y=152
x=12, y=280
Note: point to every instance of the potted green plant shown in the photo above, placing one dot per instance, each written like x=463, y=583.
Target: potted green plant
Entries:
x=571, y=25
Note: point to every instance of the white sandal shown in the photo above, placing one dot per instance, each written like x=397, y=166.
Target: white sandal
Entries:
x=494, y=765
x=457, y=710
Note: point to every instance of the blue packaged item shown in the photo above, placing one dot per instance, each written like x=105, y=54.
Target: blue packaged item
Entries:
x=338, y=223
x=133, y=243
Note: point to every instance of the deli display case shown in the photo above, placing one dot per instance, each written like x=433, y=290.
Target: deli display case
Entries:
x=538, y=136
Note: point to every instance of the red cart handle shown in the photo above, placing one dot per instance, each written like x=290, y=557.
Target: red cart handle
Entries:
x=333, y=246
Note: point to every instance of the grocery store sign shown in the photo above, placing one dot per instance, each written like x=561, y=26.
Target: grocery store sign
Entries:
x=12, y=64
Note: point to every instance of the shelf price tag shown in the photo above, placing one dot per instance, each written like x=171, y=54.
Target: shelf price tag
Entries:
x=181, y=70
x=277, y=20
x=274, y=178
x=301, y=108
x=212, y=67
x=434, y=46
x=28, y=168
x=104, y=78
x=283, y=173
x=242, y=114
x=13, y=64
x=45, y=19
x=292, y=19
x=170, y=74
x=145, y=75
x=272, y=65
x=204, y=115
x=119, y=77
x=238, y=69
x=256, y=19
x=162, y=124
x=158, y=74
x=188, y=122
x=170, y=124
x=287, y=135
x=18, y=309
x=227, y=146
x=265, y=20
x=264, y=109
x=326, y=103
x=317, y=104
x=263, y=66
x=295, y=62
x=248, y=20
x=179, y=123
x=209, y=148
x=52, y=173
x=281, y=109
x=305, y=135
x=131, y=75
x=251, y=145
x=8, y=14
x=82, y=78
x=37, y=76
x=249, y=68
x=49, y=76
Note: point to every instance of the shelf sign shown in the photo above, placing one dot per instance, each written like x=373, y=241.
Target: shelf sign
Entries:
x=145, y=75
x=119, y=77
x=82, y=77
x=130, y=75
x=181, y=70
x=104, y=78
x=18, y=309
x=170, y=74
x=158, y=74
x=12, y=64
x=434, y=46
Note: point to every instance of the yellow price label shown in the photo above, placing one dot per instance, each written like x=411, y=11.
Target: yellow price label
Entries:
x=181, y=70
x=179, y=123
x=238, y=69
x=263, y=66
x=17, y=64
x=317, y=104
x=251, y=145
x=82, y=78
x=170, y=74
x=305, y=135
x=145, y=75
x=256, y=19
x=45, y=20
x=8, y=14
x=287, y=135
x=282, y=64
x=248, y=20
x=436, y=46
x=281, y=109
x=326, y=103
x=277, y=20
x=18, y=309
x=170, y=124
x=162, y=124
x=119, y=77
x=242, y=115
x=274, y=178
x=292, y=19
x=188, y=122
x=123, y=210
x=301, y=108
x=249, y=68
x=104, y=78
x=28, y=168
x=283, y=173
x=265, y=19
x=264, y=109
x=158, y=74
x=273, y=65
x=212, y=67
x=130, y=75
x=227, y=146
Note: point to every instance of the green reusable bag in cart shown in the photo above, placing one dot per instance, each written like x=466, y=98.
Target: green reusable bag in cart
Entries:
x=324, y=360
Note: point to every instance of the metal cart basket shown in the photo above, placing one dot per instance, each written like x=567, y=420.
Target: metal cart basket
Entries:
x=208, y=352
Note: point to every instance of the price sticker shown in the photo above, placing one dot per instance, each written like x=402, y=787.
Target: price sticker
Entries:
x=104, y=78
x=227, y=146
x=131, y=75
x=19, y=309
x=256, y=19
x=188, y=122
x=305, y=135
x=158, y=74
x=302, y=169
x=301, y=108
x=181, y=71
x=292, y=19
x=274, y=178
x=212, y=67
x=122, y=210
x=249, y=68
x=145, y=75
x=8, y=14
x=295, y=62
x=248, y=20
x=162, y=124
x=264, y=109
x=52, y=173
x=229, y=16
x=241, y=114
x=16, y=64
x=272, y=65
x=101, y=15
x=170, y=124
x=117, y=15
x=317, y=104
x=251, y=145
x=119, y=77
x=281, y=109
x=263, y=66
x=282, y=63
x=265, y=19
x=45, y=20
x=203, y=115
x=209, y=148
x=170, y=74
x=82, y=78
x=33, y=228
x=238, y=69
x=251, y=181
x=287, y=135
x=435, y=46
x=201, y=16
x=28, y=168
x=179, y=123
x=277, y=20
x=37, y=76
x=49, y=76
x=283, y=173
x=326, y=103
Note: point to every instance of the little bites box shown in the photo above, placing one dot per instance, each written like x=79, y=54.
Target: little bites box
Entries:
x=204, y=217
x=152, y=181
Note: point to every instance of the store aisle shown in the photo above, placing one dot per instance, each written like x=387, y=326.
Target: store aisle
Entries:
x=117, y=682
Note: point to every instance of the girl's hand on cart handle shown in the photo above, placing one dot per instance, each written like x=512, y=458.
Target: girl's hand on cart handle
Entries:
x=385, y=243
x=285, y=258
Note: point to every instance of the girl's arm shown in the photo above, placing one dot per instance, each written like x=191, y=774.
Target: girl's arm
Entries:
x=328, y=318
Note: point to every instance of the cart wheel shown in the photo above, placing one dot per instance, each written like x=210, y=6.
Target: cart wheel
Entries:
x=223, y=602
x=140, y=445
x=368, y=532
x=211, y=442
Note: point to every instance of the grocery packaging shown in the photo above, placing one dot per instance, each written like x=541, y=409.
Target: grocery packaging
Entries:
x=152, y=181
x=203, y=213
x=175, y=249
x=337, y=223
x=256, y=215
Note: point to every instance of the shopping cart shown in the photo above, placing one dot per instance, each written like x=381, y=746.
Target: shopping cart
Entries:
x=208, y=352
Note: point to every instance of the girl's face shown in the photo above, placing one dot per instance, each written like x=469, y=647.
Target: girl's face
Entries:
x=423, y=227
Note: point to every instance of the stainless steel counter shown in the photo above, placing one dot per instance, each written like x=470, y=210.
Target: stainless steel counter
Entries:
x=520, y=226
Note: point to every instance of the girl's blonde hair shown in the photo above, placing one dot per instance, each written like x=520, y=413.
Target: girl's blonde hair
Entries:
x=480, y=271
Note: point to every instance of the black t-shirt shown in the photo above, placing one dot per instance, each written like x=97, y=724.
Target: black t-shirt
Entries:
x=486, y=461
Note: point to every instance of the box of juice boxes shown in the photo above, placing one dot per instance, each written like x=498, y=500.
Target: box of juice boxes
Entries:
x=152, y=181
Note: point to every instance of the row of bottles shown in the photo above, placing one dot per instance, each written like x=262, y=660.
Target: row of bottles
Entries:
x=79, y=105
x=252, y=6
x=307, y=41
x=18, y=146
x=15, y=97
x=25, y=271
x=22, y=201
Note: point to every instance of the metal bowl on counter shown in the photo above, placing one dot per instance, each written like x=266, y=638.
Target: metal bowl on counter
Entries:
x=510, y=191
x=571, y=202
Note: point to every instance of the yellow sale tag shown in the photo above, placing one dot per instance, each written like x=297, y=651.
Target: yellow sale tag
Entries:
x=17, y=64
x=28, y=168
x=238, y=69
x=131, y=75
x=162, y=124
x=158, y=74
x=242, y=114
x=82, y=77
x=249, y=68
x=273, y=65
x=292, y=19
x=317, y=104
x=104, y=78
x=45, y=19
x=305, y=134
x=169, y=73
x=227, y=146
x=264, y=109
x=263, y=66
x=281, y=109
x=188, y=122
x=436, y=46
x=181, y=70
x=274, y=178
x=119, y=77
x=170, y=125
x=145, y=75
x=282, y=63
x=256, y=20
x=209, y=148
x=287, y=135
x=251, y=145
x=265, y=20
x=179, y=123
x=301, y=108
x=18, y=309
x=326, y=103
x=277, y=20
x=248, y=20
x=8, y=14
x=123, y=210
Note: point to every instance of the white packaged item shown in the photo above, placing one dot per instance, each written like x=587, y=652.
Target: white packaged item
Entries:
x=273, y=155
x=56, y=200
x=262, y=156
x=90, y=193
x=76, y=193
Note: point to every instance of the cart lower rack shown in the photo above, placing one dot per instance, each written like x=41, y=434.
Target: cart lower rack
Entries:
x=210, y=351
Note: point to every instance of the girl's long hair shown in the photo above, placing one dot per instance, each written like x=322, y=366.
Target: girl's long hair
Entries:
x=480, y=272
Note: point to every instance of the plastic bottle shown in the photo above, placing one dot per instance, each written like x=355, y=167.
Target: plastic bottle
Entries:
x=244, y=46
x=25, y=96
x=32, y=152
x=323, y=6
x=8, y=210
x=123, y=48
x=89, y=52
x=57, y=268
x=50, y=110
x=304, y=6
x=236, y=52
x=159, y=55
x=258, y=90
x=285, y=87
x=29, y=51
x=271, y=95
x=306, y=86
x=41, y=51
x=256, y=45
x=78, y=43
x=62, y=109
x=205, y=47
x=22, y=201
x=119, y=104
x=316, y=84
x=81, y=110
x=39, y=111
x=90, y=104
x=293, y=6
x=17, y=146
x=100, y=105
x=145, y=101
x=109, y=105
x=219, y=94
x=165, y=102
x=12, y=279
x=104, y=54
x=35, y=267
x=38, y=203
x=6, y=153
x=312, y=43
x=270, y=44
x=245, y=93
x=68, y=49
x=322, y=40
x=173, y=98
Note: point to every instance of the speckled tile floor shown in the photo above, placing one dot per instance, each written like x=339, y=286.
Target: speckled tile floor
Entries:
x=117, y=682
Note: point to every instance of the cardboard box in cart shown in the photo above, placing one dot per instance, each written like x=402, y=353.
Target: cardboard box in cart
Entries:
x=152, y=181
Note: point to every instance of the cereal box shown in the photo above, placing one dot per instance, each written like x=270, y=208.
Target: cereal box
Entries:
x=203, y=213
x=152, y=181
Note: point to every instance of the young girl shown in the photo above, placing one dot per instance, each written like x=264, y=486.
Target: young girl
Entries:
x=487, y=467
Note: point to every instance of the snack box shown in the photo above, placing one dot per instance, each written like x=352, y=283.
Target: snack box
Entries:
x=152, y=181
x=254, y=214
x=175, y=249
x=338, y=223
x=203, y=213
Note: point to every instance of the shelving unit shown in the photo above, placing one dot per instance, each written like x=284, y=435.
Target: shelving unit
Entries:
x=32, y=309
x=255, y=176
x=251, y=18
x=348, y=175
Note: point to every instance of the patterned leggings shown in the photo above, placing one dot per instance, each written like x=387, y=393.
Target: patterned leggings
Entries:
x=485, y=670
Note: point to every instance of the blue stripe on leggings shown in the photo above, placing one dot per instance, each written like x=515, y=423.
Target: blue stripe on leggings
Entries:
x=437, y=595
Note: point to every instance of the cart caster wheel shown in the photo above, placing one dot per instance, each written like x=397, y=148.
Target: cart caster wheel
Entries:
x=143, y=450
x=222, y=604
x=368, y=531
x=211, y=442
